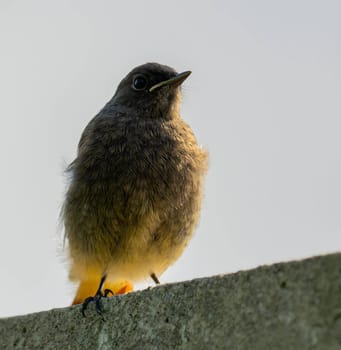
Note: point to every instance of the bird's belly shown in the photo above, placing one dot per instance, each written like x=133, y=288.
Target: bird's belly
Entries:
x=129, y=240
x=148, y=248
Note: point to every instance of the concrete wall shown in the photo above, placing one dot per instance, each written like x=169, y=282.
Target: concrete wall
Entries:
x=295, y=305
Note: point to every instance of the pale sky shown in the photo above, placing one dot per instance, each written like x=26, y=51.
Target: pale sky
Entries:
x=264, y=99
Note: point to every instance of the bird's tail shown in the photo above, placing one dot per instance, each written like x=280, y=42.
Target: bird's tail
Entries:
x=89, y=288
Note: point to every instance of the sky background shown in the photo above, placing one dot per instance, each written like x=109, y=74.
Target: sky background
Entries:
x=264, y=99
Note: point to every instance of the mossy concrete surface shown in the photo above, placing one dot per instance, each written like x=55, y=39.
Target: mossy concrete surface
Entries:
x=295, y=305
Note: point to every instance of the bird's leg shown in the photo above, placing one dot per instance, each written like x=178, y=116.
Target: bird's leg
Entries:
x=155, y=279
x=97, y=297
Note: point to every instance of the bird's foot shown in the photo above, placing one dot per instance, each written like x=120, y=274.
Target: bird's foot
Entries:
x=97, y=300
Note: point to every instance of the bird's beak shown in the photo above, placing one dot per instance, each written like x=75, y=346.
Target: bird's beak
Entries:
x=175, y=81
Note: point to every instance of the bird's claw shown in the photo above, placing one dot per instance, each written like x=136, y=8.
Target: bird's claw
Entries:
x=96, y=299
x=107, y=292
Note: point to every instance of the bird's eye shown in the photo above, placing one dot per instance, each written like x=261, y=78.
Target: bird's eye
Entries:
x=139, y=83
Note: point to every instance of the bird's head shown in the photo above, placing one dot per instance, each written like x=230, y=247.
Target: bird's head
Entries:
x=152, y=88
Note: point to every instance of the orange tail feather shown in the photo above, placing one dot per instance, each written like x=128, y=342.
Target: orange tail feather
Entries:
x=89, y=288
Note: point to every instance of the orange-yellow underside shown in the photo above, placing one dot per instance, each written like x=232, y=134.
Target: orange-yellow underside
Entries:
x=89, y=288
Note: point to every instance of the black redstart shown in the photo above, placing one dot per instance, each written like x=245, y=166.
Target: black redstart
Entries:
x=136, y=186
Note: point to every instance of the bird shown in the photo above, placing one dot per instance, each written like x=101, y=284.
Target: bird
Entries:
x=135, y=187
